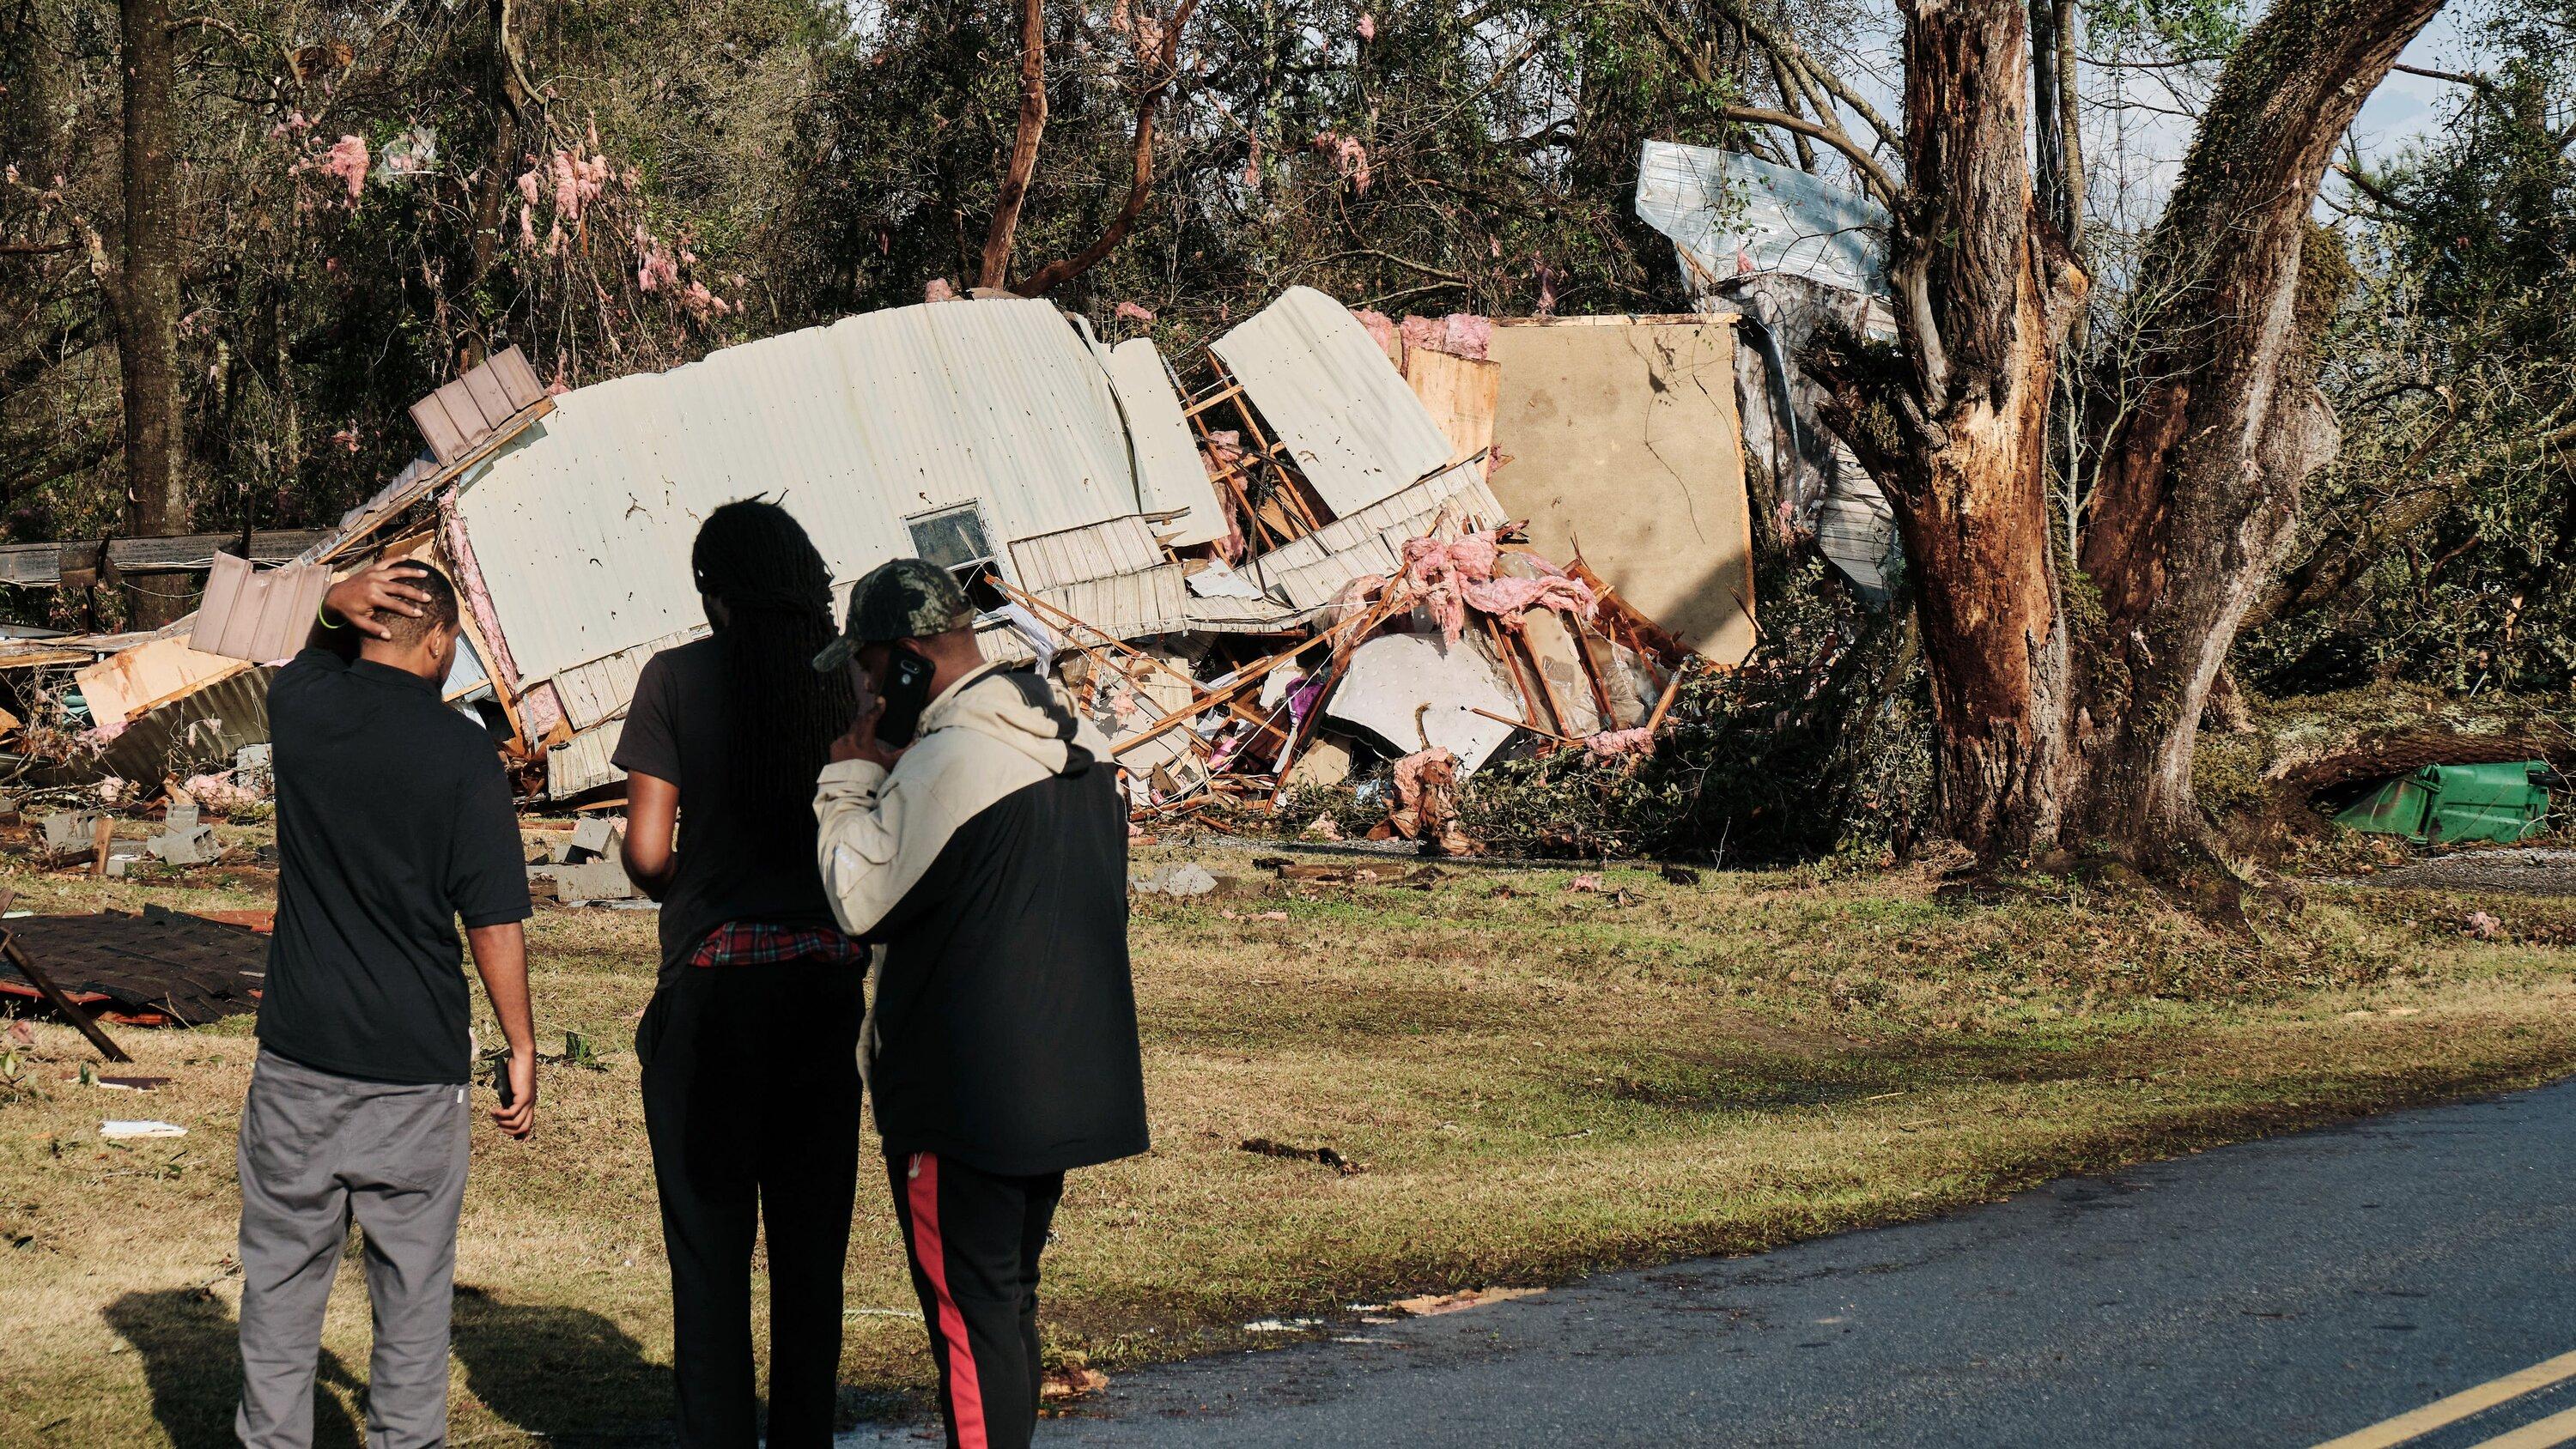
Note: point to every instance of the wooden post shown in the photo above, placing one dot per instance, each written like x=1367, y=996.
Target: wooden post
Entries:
x=100, y=837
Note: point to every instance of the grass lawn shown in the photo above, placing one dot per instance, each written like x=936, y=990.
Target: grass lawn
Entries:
x=1536, y=1081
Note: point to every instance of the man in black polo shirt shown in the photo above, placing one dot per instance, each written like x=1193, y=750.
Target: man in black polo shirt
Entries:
x=394, y=820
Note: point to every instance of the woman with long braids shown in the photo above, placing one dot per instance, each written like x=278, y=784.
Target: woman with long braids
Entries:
x=750, y=1046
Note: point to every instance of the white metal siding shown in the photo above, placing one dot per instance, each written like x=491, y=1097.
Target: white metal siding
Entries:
x=583, y=532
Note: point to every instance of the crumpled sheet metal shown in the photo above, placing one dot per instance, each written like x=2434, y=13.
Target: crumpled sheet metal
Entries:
x=1397, y=680
x=1348, y=420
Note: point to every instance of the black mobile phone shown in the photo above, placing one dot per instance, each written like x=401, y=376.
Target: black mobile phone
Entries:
x=906, y=693
x=501, y=1081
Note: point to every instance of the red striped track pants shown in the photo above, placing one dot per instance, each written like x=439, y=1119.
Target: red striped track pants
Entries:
x=973, y=1239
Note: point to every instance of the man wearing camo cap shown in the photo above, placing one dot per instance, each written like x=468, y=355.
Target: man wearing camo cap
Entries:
x=986, y=863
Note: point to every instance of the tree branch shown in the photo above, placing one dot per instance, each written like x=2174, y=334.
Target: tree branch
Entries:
x=1023, y=165
x=1166, y=69
x=1875, y=176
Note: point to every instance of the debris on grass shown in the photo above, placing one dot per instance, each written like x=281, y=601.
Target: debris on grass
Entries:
x=1325, y=1155
x=115, y=1130
x=1072, y=1381
x=1432, y=1305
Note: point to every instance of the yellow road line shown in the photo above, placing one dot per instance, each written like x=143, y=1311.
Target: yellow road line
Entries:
x=2466, y=1402
x=2538, y=1434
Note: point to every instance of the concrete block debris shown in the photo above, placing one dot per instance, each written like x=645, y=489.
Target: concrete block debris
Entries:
x=195, y=845
x=71, y=832
x=1184, y=879
x=598, y=880
x=594, y=837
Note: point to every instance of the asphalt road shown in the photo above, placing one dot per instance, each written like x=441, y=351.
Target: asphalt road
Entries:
x=2284, y=1292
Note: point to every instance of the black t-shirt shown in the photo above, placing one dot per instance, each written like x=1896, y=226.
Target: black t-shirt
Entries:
x=739, y=860
x=393, y=819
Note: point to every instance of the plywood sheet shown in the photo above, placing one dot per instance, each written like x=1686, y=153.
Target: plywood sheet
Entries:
x=1621, y=446
x=1459, y=393
x=122, y=686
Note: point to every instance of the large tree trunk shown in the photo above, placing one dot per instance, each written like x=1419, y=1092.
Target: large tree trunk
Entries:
x=2216, y=418
x=1960, y=433
x=145, y=295
x=2066, y=714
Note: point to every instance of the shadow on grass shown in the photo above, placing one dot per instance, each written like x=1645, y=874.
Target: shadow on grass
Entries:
x=560, y=1375
x=191, y=1353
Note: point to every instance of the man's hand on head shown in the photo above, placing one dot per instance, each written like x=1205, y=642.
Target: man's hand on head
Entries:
x=379, y=588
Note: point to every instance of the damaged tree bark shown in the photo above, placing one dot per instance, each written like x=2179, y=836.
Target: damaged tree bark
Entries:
x=2068, y=693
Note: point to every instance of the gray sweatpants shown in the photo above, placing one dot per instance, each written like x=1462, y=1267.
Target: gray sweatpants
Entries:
x=316, y=1151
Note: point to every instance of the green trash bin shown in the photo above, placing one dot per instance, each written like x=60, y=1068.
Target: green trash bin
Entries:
x=2446, y=804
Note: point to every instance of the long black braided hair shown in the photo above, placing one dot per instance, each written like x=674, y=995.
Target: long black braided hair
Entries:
x=777, y=593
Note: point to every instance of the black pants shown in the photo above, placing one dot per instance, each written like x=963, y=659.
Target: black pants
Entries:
x=973, y=1240
x=751, y=1098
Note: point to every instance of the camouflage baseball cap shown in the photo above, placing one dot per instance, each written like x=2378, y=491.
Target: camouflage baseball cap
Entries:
x=905, y=598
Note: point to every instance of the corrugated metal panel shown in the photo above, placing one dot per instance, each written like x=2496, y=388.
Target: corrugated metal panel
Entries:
x=1002, y=644
x=1347, y=418
x=1719, y=205
x=1168, y=472
x=594, y=691
x=1242, y=616
x=1856, y=529
x=1120, y=546
x=1126, y=606
x=582, y=762
x=1311, y=571
x=583, y=532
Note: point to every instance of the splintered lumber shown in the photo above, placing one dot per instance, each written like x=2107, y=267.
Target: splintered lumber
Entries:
x=1522, y=724
x=1049, y=613
x=1664, y=705
x=1345, y=638
x=1290, y=502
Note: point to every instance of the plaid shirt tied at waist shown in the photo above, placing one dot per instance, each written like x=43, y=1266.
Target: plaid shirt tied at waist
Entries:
x=761, y=943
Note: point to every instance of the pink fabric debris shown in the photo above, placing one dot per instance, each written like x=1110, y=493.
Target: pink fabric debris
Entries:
x=1350, y=158
x=1619, y=744
x=1441, y=572
x=347, y=159
x=220, y=793
x=1588, y=881
x=1381, y=327
x=1132, y=312
x=1460, y=334
x=938, y=290
x=1408, y=774
x=1510, y=598
x=1368, y=27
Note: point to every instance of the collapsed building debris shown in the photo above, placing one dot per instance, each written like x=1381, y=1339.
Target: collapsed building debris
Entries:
x=1296, y=567
x=159, y=968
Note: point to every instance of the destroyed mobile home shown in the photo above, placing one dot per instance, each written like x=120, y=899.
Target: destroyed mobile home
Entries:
x=1351, y=540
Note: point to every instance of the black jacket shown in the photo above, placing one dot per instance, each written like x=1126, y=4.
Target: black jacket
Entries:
x=989, y=869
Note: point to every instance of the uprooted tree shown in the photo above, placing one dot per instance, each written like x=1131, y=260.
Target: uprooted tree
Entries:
x=2068, y=678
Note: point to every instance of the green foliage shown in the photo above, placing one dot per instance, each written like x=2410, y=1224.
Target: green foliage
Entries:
x=2453, y=367
x=2193, y=28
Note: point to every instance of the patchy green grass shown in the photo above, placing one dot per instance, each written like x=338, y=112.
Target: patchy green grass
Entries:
x=1537, y=1081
